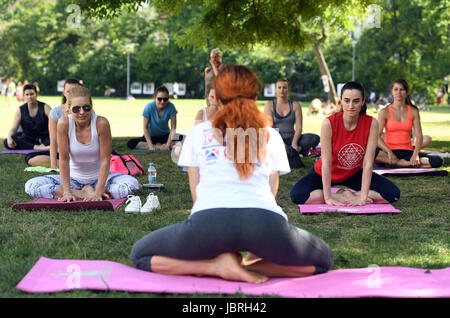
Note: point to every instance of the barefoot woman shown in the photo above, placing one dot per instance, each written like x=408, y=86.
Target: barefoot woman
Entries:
x=348, y=140
x=234, y=200
x=84, y=142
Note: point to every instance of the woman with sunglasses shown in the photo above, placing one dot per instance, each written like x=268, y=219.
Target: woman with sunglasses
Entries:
x=157, y=114
x=84, y=142
x=49, y=158
x=33, y=118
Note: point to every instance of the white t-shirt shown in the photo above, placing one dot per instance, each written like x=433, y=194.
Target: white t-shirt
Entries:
x=219, y=185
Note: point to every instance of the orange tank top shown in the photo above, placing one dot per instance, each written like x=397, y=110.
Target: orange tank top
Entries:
x=398, y=134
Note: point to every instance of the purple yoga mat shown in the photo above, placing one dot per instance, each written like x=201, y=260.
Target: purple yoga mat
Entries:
x=50, y=276
x=20, y=151
x=410, y=171
x=52, y=204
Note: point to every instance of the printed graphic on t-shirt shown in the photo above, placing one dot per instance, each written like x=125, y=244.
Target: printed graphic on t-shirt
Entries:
x=210, y=147
x=350, y=156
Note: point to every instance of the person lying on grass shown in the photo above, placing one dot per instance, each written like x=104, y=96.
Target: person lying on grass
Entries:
x=348, y=140
x=84, y=141
x=234, y=200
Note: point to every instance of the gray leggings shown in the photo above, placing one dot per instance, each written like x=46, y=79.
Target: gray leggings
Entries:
x=208, y=233
x=118, y=184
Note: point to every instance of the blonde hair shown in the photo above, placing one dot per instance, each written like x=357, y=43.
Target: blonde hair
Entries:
x=78, y=91
x=216, y=51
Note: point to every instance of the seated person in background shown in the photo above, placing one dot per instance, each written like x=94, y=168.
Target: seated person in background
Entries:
x=157, y=115
x=203, y=114
x=234, y=200
x=84, y=141
x=208, y=112
x=348, y=141
x=315, y=107
x=33, y=118
x=399, y=120
x=285, y=115
x=49, y=158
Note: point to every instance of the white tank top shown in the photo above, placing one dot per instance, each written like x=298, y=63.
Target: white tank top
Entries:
x=84, y=159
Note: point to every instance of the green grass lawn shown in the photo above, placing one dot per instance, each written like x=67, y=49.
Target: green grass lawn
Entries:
x=418, y=237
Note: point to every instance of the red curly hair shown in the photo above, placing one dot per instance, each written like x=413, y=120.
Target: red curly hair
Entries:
x=237, y=87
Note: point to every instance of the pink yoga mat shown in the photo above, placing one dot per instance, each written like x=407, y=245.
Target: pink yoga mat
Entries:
x=410, y=171
x=52, y=204
x=365, y=209
x=19, y=151
x=50, y=275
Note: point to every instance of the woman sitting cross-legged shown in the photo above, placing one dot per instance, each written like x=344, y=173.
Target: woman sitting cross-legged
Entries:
x=233, y=187
x=33, y=118
x=84, y=142
x=399, y=120
x=348, y=140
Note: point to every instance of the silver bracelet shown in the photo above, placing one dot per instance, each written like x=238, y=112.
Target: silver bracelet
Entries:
x=67, y=193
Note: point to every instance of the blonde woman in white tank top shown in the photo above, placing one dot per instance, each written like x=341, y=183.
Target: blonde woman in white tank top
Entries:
x=84, y=142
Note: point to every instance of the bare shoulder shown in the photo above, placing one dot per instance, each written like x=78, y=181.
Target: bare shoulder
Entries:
x=102, y=122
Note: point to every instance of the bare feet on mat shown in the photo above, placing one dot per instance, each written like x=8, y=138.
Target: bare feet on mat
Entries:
x=228, y=267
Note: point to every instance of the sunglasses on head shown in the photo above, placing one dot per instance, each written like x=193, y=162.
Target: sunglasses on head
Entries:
x=160, y=99
x=76, y=109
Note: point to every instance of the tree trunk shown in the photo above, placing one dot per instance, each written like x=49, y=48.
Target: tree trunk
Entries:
x=332, y=96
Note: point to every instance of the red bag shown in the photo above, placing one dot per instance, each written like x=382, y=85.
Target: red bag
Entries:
x=126, y=164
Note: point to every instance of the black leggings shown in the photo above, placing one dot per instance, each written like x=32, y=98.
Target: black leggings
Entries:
x=208, y=233
x=306, y=141
x=25, y=142
x=301, y=191
x=435, y=161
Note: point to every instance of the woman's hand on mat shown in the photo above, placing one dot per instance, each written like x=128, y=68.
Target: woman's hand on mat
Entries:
x=94, y=196
x=165, y=147
x=67, y=197
x=415, y=161
x=359, y=201
x=151, y=147
x=332, y=201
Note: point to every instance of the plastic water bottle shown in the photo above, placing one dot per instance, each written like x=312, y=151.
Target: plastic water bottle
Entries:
x=151, y=173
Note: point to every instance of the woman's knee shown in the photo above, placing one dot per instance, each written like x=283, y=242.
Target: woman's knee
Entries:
x=435, y=161
x=299, y=195
x=391, y=193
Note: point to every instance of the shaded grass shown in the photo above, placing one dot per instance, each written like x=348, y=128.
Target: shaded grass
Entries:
x=418, y=237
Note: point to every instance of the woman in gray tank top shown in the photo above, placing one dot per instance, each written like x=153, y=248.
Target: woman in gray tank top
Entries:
x=287, y=115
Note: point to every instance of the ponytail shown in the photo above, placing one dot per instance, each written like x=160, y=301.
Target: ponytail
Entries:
x=236, y=88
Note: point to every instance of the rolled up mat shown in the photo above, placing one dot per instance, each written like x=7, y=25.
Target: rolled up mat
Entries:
x=409, y=171
x=365, y=209
x=52, y=204
x=52, y=275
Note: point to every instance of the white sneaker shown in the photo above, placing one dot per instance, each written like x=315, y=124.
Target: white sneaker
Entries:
x=134, y=205
x=152, y=203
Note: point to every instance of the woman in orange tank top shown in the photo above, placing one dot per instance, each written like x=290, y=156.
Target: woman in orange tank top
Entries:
x=398, y=120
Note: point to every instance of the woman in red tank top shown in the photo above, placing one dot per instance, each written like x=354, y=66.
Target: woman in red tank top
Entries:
x=349, y=140
x=398, y=120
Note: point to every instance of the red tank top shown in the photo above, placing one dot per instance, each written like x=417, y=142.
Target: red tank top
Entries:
x=348, y=147
x=398, y=133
